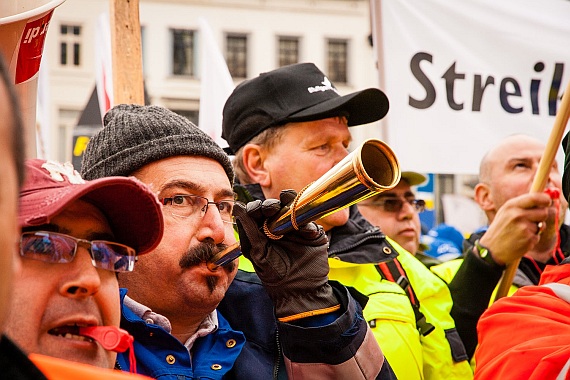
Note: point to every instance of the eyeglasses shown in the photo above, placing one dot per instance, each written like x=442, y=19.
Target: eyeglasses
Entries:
x=396, y=204
x=53, y=247
x=188, y=205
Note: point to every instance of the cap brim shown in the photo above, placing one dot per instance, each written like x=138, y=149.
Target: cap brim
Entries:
x=362, y=107
x=413, y=178
x=132, y=211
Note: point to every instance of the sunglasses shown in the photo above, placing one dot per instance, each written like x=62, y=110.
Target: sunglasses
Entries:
x=396, y=204
x=53, y=247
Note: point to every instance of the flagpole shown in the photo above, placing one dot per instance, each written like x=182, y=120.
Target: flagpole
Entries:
x=541, y=177
x=126, y=48
x=378, y=46
x=104, y=64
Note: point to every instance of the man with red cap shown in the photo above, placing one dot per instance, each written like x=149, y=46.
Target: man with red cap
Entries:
x=76, y=236
x=59, y=296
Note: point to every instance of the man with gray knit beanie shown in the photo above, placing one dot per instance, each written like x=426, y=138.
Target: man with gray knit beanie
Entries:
x=171, y=306
x=135, y=136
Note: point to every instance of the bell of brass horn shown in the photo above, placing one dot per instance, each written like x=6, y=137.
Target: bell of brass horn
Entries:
x=370, y=169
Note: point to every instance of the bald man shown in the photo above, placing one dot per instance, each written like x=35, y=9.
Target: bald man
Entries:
x=521, y=225
x=506, y=175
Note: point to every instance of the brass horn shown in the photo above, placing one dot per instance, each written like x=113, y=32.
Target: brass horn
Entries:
x=370, y=169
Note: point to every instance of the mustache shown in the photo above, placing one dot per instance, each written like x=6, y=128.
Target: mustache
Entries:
x=200, y=253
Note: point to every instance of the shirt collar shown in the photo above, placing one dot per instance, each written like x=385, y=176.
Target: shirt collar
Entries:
x=208, y=325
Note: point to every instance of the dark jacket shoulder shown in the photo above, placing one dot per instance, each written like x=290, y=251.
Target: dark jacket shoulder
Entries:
x=15, y=365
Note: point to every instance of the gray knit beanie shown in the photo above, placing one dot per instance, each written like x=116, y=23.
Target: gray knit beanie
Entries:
x=134, y=136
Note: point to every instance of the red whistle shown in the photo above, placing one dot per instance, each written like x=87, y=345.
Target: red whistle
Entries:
x=110, y=337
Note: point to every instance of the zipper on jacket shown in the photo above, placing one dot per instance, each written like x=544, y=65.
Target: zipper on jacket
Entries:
x=278, y=356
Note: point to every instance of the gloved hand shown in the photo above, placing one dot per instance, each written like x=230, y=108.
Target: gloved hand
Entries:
x=293, y=269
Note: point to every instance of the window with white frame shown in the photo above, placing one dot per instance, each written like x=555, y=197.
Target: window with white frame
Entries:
x=236, y=55
x=337, y=57
x=288, y=50
x=183, y=54
x=70, y=45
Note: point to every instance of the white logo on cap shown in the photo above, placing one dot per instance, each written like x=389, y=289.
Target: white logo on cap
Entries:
x=57, y=170
x=327, y=85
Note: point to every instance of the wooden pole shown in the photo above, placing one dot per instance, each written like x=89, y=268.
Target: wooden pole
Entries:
x=378, y=45
x=128, y=86
x=541, y=177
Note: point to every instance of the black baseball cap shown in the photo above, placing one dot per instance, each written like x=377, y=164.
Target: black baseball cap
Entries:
x=294, y=93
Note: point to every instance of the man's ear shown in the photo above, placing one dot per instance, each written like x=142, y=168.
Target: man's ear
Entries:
x=483, y=197
x=254, y=162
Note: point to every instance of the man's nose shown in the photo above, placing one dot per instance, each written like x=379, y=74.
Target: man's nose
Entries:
x=81, y=277
x=211, y=225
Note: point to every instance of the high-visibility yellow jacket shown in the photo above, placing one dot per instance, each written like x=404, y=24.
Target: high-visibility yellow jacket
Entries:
x=390, y=314
x=354, y=250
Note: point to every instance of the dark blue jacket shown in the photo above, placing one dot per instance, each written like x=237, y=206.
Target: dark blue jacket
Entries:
x=162, y=356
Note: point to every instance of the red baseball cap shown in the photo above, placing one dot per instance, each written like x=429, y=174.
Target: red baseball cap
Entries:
x=132, y=210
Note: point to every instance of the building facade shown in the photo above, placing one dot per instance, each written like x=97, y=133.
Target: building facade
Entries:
x=253, y=35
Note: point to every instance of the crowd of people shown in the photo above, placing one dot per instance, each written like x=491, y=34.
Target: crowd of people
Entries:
x=157, y=259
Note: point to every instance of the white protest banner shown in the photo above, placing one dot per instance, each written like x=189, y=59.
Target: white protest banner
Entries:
x=461, y=75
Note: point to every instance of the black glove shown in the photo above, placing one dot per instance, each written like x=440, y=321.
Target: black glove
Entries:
x=293, y=269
